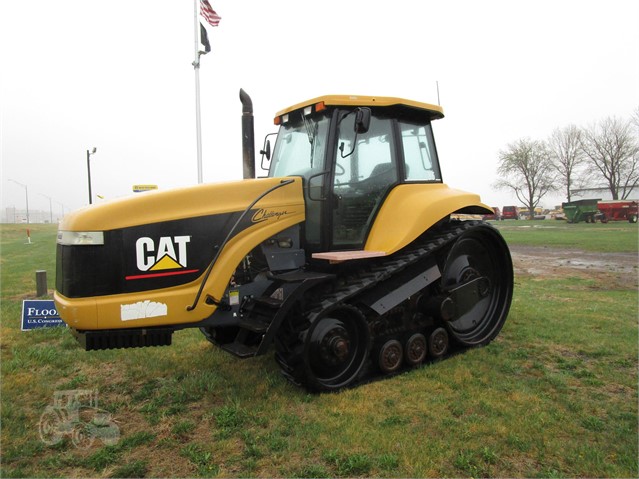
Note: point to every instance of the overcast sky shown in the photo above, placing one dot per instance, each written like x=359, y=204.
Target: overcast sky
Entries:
x=117, y=75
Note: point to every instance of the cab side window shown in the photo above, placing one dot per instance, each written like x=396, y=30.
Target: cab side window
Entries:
x=420, y=155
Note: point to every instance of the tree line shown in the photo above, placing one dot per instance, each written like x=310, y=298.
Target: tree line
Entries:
x=604, y=155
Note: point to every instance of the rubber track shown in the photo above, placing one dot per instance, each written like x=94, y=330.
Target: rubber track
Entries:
x=391, y=266
x=446, y=234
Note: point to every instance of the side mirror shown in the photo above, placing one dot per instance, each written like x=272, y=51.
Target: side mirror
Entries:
x=361, y=125
x=267, y=150
x=362, y=120
x=266, y=153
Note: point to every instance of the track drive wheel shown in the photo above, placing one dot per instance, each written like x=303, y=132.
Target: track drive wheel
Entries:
x=480, y=253
x=336, y=346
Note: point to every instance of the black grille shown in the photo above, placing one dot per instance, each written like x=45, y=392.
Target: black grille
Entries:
x=124, y=338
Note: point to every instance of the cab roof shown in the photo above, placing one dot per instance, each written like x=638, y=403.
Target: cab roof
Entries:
x=414, y=108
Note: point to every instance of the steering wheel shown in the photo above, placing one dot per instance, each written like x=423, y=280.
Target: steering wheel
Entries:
x=339, y=169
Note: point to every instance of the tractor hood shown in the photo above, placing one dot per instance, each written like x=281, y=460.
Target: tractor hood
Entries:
x=116, y=260
x=195, y=201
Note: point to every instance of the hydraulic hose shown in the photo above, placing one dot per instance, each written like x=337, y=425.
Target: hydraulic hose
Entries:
x=228, y=238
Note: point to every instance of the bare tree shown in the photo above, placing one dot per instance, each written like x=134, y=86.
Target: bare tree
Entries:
x=634, y=119
x=612, y=148
x=525, y=167
x=567, y=157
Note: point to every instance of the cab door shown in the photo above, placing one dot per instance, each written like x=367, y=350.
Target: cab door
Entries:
x=366, y=168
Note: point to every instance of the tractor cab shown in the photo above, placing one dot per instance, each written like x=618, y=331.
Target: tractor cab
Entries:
x=351, y=152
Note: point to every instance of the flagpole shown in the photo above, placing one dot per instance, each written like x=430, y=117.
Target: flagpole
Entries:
x=196, y=67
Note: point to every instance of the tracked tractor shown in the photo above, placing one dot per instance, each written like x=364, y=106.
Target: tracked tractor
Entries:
x=343, y=259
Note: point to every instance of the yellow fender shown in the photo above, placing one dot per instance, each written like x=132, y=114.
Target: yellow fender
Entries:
x=411, y=209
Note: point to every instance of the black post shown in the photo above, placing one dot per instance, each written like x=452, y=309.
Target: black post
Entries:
x=41, y=283
x=248, y=136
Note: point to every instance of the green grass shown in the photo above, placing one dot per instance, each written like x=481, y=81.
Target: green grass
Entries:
x=618, y=236
x=555, y=395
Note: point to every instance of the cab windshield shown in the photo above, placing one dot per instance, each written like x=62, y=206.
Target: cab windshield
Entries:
x=300, y=147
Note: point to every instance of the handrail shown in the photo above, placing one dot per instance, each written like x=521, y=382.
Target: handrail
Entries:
x=228, y=238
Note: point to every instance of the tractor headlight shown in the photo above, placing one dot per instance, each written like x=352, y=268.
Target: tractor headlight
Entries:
x=79, y=238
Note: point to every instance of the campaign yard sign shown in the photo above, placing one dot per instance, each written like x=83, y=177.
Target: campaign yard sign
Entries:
x=39, y=313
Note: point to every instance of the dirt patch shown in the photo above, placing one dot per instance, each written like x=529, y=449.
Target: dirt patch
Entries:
x=614, y=270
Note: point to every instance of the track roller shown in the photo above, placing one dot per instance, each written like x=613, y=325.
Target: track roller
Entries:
x=438, y=343
x=390, y=356
x=416, y=349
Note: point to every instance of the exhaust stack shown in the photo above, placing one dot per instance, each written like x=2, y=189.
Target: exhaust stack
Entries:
x=248, y=136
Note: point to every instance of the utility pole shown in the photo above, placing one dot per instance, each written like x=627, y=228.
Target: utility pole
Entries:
x=26, y=195
x=89, y=153
x=198, y=120
x=50, y=208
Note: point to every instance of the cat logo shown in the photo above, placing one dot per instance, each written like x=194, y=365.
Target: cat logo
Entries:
x=166, y=258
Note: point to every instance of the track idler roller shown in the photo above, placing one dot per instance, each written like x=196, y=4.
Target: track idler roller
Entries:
x=390, y=356
x=416, y=349
x=478, y=276
x=438, y=343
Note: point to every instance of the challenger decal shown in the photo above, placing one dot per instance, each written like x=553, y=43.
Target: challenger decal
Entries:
x=263, y=215
x=169, y=258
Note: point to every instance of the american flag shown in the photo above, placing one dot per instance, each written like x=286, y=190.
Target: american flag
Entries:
x=207, y=12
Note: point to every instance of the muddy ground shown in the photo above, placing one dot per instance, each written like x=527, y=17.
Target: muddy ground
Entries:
x=610, y=270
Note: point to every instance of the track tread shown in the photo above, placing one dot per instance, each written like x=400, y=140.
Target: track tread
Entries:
x=290, y=357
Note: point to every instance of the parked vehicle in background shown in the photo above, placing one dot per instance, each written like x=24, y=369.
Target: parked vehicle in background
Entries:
x=510, y=213
x=592, y=210
x=618, y=210
x=496, y=216
x=581, y=210
x=539, y=214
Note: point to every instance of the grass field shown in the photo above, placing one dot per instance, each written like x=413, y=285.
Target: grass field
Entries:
x=611, y=237
x=555, y=395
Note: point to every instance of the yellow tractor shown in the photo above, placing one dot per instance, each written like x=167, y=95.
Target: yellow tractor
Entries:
x=344, y=259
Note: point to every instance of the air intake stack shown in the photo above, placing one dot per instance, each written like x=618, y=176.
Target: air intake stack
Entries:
x=248, y=136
